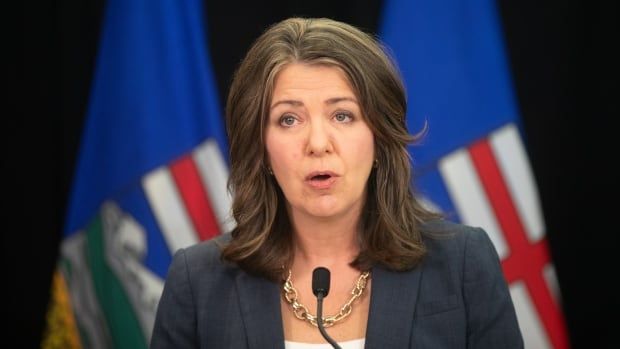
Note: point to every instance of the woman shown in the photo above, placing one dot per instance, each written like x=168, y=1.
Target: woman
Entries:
x=320, y=176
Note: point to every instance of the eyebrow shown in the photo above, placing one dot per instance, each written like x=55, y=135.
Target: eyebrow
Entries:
x=330, y=101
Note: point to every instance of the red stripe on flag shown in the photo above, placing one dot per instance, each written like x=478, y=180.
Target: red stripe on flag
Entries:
x=526, y=261
x=537, y=257
x=195, y=197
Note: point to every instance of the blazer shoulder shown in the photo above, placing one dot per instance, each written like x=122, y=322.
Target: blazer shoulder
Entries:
x=454, y=241
x=441, y=231
x=464, y=258
x=196, y=283
x=207, y=255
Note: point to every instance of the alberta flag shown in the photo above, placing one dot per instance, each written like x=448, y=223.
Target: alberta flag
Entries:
x=472, y=164
x=150, y=178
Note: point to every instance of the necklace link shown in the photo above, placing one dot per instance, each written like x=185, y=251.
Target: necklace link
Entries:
x=301, y=311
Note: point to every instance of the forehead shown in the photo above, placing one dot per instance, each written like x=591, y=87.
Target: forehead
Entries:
x=300, y=78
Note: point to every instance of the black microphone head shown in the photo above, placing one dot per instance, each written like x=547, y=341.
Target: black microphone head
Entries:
x=320, y=281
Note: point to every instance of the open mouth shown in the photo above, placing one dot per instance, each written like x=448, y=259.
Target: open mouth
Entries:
x=321, y=179
x=320, y=175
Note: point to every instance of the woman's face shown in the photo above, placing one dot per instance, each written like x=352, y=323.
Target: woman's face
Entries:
x=320, y=148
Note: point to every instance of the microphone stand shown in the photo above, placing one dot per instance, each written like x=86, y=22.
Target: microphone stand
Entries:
x=320, y=288
x=319, y=321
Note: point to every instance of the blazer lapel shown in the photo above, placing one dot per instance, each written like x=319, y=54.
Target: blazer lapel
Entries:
x=392, y=304
x=259, y=300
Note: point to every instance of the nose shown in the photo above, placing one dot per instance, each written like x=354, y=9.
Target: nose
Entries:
x=319, y=139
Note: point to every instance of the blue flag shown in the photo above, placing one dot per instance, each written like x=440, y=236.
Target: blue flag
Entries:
x=151, y=173
x=472, y=163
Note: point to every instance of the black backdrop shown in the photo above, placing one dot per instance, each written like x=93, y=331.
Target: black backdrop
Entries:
x=563, y=68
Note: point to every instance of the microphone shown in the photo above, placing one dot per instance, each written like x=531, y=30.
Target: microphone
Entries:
x=320, y=288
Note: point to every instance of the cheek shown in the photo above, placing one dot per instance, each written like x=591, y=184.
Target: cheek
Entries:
x=364, y=149
x=281, y=153
x=272, y=148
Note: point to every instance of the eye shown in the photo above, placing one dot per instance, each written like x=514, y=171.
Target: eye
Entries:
x=288, y=120
x=343, y=117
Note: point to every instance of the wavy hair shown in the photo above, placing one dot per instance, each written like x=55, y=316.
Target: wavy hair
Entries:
x=389, y=226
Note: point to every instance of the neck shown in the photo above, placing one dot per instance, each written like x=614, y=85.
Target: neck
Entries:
x=331, y=242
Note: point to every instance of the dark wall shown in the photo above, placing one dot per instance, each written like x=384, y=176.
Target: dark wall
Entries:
x=562, y=65
x=52, y=77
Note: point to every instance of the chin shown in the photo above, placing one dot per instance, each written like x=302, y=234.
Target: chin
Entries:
x=322, y=213
x=325, y=211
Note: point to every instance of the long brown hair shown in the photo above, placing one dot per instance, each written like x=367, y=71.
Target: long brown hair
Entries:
x=390, y=222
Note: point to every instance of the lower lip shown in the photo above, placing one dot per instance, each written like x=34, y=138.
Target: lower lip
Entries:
x=322, y=184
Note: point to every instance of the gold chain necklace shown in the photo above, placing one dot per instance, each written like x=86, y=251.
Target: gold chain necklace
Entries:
x=302, y=313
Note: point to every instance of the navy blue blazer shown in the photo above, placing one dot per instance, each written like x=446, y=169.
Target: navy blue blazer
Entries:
x=456, y=298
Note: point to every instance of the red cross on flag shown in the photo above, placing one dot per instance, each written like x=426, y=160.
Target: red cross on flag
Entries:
x=472, y=162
